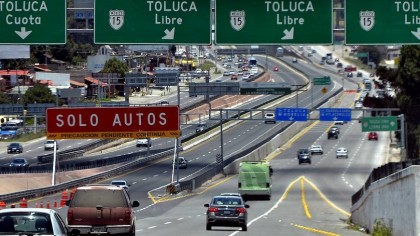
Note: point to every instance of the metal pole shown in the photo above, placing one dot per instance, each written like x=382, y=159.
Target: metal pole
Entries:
x=178, y=140
x=312, y=94
x=297, y=96
x=54, y=163
x=221, y=134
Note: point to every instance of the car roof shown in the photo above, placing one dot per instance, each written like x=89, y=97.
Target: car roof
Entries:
x=30, y=209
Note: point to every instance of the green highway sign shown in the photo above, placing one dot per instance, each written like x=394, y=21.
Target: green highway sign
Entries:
x=285, y=22
x=379, y=123
x=258, y=88
x=33, y=22
x=152, y=22
x=382, y=22
x=326, y=80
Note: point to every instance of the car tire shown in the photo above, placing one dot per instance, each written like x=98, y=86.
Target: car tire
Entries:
x=244, y=228
x=208, y=227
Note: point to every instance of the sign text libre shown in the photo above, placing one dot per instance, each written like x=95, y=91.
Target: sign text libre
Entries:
x=272, y=22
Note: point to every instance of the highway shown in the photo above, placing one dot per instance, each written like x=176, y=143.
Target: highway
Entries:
x=298, y=210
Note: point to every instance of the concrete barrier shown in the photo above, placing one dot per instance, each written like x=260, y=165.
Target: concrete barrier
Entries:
x=393, y=201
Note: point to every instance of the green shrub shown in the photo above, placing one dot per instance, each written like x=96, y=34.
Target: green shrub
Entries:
x=380, y=229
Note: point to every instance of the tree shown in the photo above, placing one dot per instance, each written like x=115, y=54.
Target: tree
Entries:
x=4, y=99
x=38, y=94
x=406, y=81
x=114, y=65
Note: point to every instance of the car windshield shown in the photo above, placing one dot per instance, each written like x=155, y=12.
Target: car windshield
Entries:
x=227, y=201
x=18, y=161
x=118, y=183
x=25, y=223
x=14, y=145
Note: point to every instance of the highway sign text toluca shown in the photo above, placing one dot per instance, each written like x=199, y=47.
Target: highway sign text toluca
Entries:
x=382, y=22
x=273, y=22
x=33, y=22
x=152, y=22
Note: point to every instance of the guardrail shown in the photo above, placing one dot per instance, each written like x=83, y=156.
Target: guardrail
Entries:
x=382, y=172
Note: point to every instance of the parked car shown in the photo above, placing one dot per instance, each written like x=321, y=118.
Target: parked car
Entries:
x=121, y=183
x=373, y=136
x=200, y=127
x=342, y=152
x=14, y=148
x=49, y=145
x=316, y=149
x=19, y=162
x=227, y=211
x=304, y=156
x=269, y=118
x=101, y=209
x=31, y=221
x=143, y=142
x=294, y=60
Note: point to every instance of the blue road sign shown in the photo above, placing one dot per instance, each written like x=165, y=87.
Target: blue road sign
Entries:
x=291, y=114
x=335, y=114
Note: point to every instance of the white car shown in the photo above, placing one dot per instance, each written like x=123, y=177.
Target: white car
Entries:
x=269, y=118
x=143, y=142
x=49, y=145
x=316, y=149
x=342, y=152
x=358, y=105
x=121, y=183
x=31, y=221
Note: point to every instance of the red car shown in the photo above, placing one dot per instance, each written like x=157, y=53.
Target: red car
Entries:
x=372, y=136
x=276, y=68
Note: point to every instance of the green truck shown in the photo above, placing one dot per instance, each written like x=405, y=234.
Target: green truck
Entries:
x=255, y=179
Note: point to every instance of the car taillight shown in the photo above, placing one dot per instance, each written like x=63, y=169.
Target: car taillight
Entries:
x=70, y=217
x=213, y=209
x=240, y=210
x=128, y=216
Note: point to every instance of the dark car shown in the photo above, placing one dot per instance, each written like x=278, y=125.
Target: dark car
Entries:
x=14, y=148
x=373, y=136
x=19, y=162
x=304, y=156
x=101, y=209
x=332, y=134
x=183, y=163
x=200, y=127
x=227, y=211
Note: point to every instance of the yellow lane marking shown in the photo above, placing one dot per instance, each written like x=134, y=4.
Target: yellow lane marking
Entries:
x=305, y=206
x=325, y=198
x=315, y=230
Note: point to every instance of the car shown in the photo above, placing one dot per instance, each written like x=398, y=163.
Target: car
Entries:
x=49, y=145
x=322, y=62
x=200, y=127
x=14, y=148
x=226, y=73
x=101, y=209
x=294, y=60
x=143, y=142
x=342, y=152
x=316, y=149
x=339, y=122
x=359, y=74
x=332, y=134
x=336, y=59
x=234, y=77
x=339, y=65
x=275, y=68
x=218, y=81
x=227, y=211
x=121, y=183
x=373, y=136
x=31, y=221
x=358, y=105
x=164, y=103
x=269, y=118
x=19, y=162
x=304, y=156
x=336, y=129
x=183, y=163
x=349, y=75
